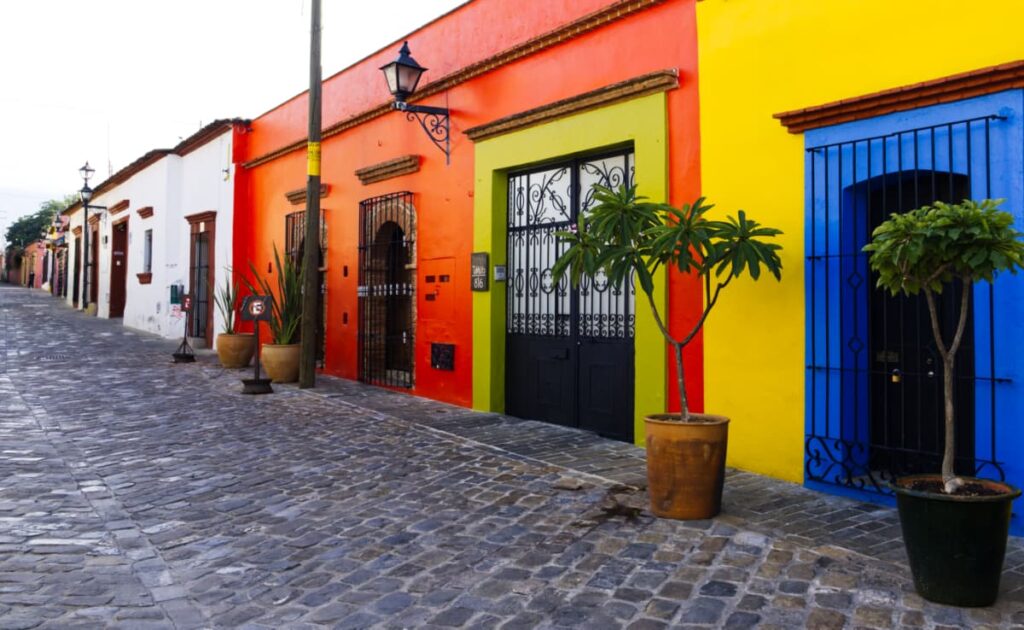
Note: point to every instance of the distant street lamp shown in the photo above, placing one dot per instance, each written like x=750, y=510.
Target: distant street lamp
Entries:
x=86, y=195
x=403, y=75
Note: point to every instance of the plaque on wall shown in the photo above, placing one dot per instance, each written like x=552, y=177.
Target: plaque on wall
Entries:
x=478, y=277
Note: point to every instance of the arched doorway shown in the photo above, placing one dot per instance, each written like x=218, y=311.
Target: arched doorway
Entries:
x=386, y=294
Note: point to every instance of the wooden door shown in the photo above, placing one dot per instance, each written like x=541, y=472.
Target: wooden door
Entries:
x=118, y=269
x=94, y=267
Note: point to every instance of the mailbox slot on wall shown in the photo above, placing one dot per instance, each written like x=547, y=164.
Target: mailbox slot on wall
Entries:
x=442, y=356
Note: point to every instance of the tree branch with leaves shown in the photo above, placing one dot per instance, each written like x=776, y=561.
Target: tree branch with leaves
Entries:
x=625, y=235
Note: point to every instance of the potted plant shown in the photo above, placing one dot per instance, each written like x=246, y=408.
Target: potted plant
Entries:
x=955, y=528
x=234, y=349
x=281, y=358
x=624, y=235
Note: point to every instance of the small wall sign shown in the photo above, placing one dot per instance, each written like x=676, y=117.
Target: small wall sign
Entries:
x=256, y=308
x=478, y=276
x=499, y=273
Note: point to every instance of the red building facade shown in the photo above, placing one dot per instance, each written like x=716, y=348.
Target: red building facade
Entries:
x=527, y=87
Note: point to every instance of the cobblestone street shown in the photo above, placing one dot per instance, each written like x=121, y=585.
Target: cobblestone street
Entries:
x=137, y=493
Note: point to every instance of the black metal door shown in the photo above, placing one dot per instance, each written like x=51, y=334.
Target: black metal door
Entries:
x=569, y=351
x=906, y=386
x=386, y=294
x=199, y=280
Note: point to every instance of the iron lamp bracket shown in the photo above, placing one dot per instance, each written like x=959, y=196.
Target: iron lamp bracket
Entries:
x=435, y=121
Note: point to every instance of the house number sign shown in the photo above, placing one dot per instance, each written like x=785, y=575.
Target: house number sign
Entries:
x=478, y=277
x=256, y=308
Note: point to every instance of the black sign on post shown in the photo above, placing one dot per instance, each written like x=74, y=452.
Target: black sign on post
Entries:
x=257, y=308
x=478, y=276
x=184, y=353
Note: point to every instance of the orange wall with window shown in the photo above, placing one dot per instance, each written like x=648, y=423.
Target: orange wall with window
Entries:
x=657, y=36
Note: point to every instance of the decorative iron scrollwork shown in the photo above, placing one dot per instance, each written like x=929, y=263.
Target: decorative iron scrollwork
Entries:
x=435, y=121
x=543, y=202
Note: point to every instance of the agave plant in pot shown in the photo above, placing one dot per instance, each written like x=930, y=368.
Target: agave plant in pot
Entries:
x=234, y=349
x=955, y=528
x=281, y=358
x=623, y=235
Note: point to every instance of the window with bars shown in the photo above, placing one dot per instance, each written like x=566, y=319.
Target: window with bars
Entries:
x=874, y=378
x=294, y=242
x=147, y=252
x=295, y=235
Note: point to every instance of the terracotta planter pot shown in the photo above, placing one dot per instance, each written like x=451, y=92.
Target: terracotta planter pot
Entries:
x=686, y=465
x=235, y=351
x=281, y=362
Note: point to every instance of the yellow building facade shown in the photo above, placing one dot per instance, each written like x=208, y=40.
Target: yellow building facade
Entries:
x=761, y=58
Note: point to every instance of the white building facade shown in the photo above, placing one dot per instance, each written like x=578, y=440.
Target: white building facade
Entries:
x=164, y=230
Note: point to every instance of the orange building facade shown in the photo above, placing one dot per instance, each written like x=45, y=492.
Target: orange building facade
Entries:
x=545, y=98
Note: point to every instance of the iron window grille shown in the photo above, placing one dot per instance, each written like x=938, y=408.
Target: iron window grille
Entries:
x=874, y=375
x=295, y=235
x=387, y=296
x=542, y=202
x=147, y=252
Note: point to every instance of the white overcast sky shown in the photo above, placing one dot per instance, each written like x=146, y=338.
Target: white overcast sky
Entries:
x=108, y=80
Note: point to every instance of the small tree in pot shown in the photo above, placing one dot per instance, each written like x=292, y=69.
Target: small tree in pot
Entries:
x=623, y=235
x=234, y=349
x=955, y=529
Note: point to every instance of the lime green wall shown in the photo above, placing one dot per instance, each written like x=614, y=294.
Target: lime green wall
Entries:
x=760, y=57
x=642, y=121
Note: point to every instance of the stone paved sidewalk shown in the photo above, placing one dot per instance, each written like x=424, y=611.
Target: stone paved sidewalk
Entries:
x=135, y=493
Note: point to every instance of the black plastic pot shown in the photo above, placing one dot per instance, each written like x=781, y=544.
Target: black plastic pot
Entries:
x=956, y=545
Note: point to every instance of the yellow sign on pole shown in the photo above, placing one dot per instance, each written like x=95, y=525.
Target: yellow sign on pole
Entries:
x=313, y=159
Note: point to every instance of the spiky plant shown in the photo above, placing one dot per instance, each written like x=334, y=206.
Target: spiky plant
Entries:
x=286, y=310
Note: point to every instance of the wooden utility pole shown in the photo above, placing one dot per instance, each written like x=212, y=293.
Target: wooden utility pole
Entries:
x=311, y=248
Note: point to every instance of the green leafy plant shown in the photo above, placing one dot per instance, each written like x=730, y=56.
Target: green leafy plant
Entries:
x=226, y=299
x=924, y=251
x=623, y=234
x=286, y=312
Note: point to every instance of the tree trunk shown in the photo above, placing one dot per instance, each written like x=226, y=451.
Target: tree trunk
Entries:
x=949, y=479
x=948, y=454
x=684, y=407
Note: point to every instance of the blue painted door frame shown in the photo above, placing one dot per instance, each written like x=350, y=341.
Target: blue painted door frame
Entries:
x=845, y=162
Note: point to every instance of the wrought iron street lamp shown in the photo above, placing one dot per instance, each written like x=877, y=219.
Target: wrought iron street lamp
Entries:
x=403, y=75
x=86, y=196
